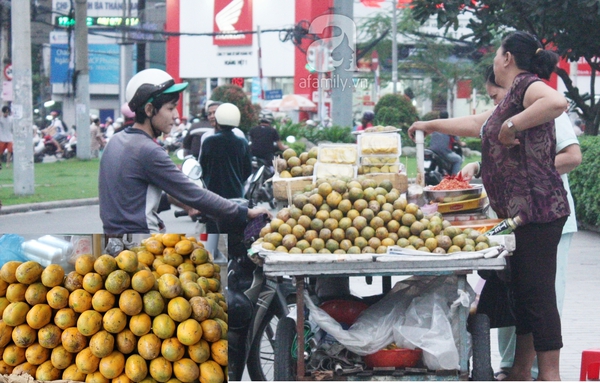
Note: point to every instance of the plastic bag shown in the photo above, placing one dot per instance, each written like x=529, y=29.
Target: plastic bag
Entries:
x=10, y=249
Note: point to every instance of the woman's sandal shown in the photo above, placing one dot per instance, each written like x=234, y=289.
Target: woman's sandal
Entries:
x=501, y=375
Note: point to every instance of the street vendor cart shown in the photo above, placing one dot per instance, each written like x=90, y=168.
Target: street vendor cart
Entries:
x=306, y=265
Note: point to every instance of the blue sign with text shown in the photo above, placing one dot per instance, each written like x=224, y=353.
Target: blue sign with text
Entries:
x=274, y=94
x=103, y=64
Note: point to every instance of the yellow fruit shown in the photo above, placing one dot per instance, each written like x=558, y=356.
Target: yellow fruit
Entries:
x=39, y=316
x=103, y=300
x=72, y=373
x=61, y=358
x=166, y=269
x=123, y=378
x=206, y=270
x=36, y=354
x=184, y=247
x=86, y=361
x=47, y=372
x=112, y=365
x=5, y=369
x=15, y=313
x=102, y=343
x=65, y=318
x=105, y=264
x=136, y=368
x=72, y=340
x=145, y=257
x=84, y=264
x=160, y=369
x=130, y=302
x=170, y=240
x=25, y=368
x=8, y=270
x=201, y=309
x=92, y=282
x=15, y=292
x=28, y=272
x=179, y=309
x=140, y=324
x=127, y=261
x=13, y=355
x=3, y=286
x=218, y=352
x=117, y=282
x=186, y=370
x=58, y=297
x=169, y=286
x=173, y=258
x=89, y=322
x=199, y=256
x=53, y=275
x=96, y=377
x=80, y=300
x=154, y=303
x=5, y=334
x=49, y=336
x=211, y=330
x=192, y=289
x=23, y=335
x=172, y=349
x=143, y=281
x=154, y=246
x=148, y=346
x=199, y=352
x=114, y=320
x=163, y=326
x=126, y=341
x=73, y=281
x=190, y=332
x=211, y=372
x=36, y=294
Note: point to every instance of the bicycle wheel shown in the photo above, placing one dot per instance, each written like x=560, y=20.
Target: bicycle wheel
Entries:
x=262, y=352
x=285, y=364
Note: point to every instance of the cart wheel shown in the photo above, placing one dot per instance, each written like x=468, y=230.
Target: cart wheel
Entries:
x=262, y=352
x=480, y=339
x=285, y=364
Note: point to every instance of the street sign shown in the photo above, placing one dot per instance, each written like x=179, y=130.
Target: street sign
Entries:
x=8, y=72
x=274, y=94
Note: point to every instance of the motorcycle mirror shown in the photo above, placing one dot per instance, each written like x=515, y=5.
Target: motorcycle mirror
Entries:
x=180, y=153
x=258, y=174
x=290, y=139
x=191, y=168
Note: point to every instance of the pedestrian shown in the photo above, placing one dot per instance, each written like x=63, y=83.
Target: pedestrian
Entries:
x=6, y=135
x=521, y=181
x=134, y=169
x=568, y=157
x=366, y=121
x=97, y=140
x=211, y=108
x=264, y=138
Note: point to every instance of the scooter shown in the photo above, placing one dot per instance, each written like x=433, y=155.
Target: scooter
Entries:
x=38, y=147
x=436, y=167
x=260, y=185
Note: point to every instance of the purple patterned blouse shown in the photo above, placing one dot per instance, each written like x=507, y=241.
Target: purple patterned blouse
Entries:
x=522, y=180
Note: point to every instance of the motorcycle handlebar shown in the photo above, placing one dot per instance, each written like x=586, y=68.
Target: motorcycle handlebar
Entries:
x=180, y=213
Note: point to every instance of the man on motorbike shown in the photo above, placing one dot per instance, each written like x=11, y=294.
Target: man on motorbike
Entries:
x=443, y=145
x=57, y=130
x=134, y=169
x=264, y=138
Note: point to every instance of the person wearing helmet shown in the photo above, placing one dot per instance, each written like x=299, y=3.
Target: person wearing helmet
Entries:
x=366, y=121
x=134, y=169
x=211, y=108
x=264, y=138
x=128, y=116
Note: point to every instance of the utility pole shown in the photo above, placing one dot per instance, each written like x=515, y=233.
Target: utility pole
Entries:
x=82, y=91
x=341, y=94
x=126, y=55
x=394, y=48
x=22, y=95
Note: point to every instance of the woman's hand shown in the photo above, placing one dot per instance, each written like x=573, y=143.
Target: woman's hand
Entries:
x=418, y=125
x=469, y=170
x=507, y=136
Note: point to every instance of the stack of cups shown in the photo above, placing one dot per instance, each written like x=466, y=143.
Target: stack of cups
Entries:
x=48, y=250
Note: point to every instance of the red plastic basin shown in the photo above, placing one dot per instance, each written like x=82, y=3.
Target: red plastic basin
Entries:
x=344, y=311
x=399, y=358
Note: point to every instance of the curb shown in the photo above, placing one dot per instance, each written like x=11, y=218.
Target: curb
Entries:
x=47, y=205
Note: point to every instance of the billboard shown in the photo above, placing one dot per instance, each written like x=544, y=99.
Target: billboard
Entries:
x=230, y=17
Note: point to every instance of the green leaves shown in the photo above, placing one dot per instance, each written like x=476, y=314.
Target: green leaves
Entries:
x=584, y=184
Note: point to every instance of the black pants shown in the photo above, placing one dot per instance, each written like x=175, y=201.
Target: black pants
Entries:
x=533, y=274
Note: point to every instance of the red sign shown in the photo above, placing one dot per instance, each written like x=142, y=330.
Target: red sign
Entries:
x=463, y=89
x=232, y=17
x=239, y=81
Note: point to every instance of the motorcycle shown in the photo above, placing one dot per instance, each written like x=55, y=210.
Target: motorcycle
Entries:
x=70, y=148
x=260, y=185
x=50, y=148
x=38, y=147
x=436, y=167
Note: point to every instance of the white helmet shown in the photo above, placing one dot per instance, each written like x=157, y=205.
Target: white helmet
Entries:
x=228, y=114
x=149, y=83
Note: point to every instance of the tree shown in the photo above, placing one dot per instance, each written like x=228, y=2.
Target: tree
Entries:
x=396, y=110
x=236, y=95
x=571, y=27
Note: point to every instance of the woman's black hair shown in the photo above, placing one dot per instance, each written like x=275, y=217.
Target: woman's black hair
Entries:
x=490, y=77
x=529, y=54
x=158, y=102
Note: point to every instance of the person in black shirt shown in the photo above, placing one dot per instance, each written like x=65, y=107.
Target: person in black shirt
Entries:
x=264, y=139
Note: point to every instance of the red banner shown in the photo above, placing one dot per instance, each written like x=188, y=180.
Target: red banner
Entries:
x=232, y=17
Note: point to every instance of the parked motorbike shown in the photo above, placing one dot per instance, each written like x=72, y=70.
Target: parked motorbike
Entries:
x=260, y=185
x=70, y=148
x=38, y=147
x=436, y=167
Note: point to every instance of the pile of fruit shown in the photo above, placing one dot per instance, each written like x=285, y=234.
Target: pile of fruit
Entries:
x=294, y=165
x=154, y=314
x=361, y=216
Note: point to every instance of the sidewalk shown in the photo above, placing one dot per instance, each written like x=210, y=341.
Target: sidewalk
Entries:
x=47, y=205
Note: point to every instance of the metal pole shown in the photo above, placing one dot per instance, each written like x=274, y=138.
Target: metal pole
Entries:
x=82, y=93
x=394, y=49
x=260, y=71
x=126, y=57
x=22, y=105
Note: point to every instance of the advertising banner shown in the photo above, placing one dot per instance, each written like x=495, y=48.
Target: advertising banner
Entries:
x=230, y=17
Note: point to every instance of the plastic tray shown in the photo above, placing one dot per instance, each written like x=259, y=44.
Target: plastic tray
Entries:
x=322, y=170
x=379, y=143
x=338, y=154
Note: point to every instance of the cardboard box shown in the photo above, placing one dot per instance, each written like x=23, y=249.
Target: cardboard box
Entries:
x=285, y=188
x=399, y=180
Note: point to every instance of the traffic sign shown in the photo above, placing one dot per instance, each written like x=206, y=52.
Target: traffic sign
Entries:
x=8, y=72
x=274, y=94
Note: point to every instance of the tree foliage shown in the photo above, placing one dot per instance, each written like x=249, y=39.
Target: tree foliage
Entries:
x=236, y=95
x=572, y=27
x=396, y=110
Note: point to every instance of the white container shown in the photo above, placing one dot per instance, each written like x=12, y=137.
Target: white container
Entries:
x=65, y=246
